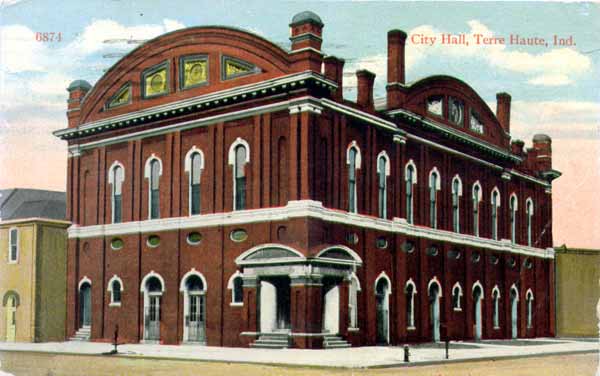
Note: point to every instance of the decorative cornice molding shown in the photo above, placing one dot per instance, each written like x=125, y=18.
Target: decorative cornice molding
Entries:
x=298, y=209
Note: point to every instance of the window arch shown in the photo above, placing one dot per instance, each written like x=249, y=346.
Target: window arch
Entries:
x=353, y=160
x=410, y=290
x=529, y=212
x=456, y=296
x=239, y=156
x=115, y=288
x=456, y=195
x=434, y=186
x=410, y=176
x=513, y=207
x=434, y=281
x=236, y=285
x=476, y=197
x=383, y=171
x=529, y=301
x=495, y=202
x=496, y=307
x=13, y=245
x=152, y=172
x=194, y=164
x=116, y=176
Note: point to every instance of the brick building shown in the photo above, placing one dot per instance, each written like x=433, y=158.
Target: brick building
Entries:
x=224, y=192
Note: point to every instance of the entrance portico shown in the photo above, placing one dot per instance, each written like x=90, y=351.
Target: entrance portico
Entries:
x=305, y=297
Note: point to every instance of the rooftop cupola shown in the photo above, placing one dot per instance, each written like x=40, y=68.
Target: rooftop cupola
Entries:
x=77, y=91
x=306, y=31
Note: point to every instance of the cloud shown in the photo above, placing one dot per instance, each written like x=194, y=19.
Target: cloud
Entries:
x=550, y=80
x=20, y=51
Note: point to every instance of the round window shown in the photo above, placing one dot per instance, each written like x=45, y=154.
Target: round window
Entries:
x=475, y=257
x=352, y=238
x=238, y=235
x=381, y=242
x=116, y=244
x=194, y=238
x=153, y=241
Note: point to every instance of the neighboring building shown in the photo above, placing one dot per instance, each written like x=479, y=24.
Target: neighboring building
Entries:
x=33, y=245
x=223, y=191
x=577, y=291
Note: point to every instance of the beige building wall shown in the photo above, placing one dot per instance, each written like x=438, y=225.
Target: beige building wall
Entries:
x=577, y=292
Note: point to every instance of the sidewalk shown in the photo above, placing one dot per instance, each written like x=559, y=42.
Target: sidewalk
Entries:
x=358, y=357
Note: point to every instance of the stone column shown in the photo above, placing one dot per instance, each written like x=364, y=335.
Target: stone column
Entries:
x=251, y=314
x=306, y=311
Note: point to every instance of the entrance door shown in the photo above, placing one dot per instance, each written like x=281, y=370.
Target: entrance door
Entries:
x=11, y=319
x=434, y=311
x=85, y=305
x=152, y=319
x=331, y=310
x=283, y=303
x=195, y=318
x=383, y=310
x=477, y=295
x=513, y=313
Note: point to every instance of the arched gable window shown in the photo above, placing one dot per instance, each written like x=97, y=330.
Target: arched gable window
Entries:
x=353, y=161
x=239, y=156
x=513, y=207
x=434, y=186
x=115, y=288
x=529, y=213
x=496, y=307
x=383, y=171
x=152, y=172
x=13, y=245
x=410, y=176
x=410, y=290
x=116, y=176
x=236, y=285
x=194, y=164
x=477, y=196
x=456, y=195
x=456, y=296
x=495, y=201
x=529, y=301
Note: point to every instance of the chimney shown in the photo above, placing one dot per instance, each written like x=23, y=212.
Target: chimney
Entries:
x=306, y=31
x=334, y=71
x=503, y=110
x=516, y=146
x=542, y=144
x=77, y=91
x=396, y=77
x=365, y=80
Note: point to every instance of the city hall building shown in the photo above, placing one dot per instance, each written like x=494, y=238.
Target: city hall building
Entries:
x=223, y=192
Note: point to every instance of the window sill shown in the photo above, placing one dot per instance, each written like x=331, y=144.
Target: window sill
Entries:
x=457, y=309
x=411, y=328
x=496, y=328
x=353, y=329
x=13, y=262
x=115, y=304
x=236, y=304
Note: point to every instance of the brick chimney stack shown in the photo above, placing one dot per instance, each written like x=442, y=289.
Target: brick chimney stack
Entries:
x=334, y=70
x=306, y=31
x=542, y=144
x=396, y=76
x=517, y=147
x=365, y=81
x=503, y=110
x=77, y=91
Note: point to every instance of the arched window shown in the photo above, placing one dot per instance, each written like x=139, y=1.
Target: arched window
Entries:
x=115, y=287
x=353, y=301
x=13, y=245
x=353, y=158
x=456, y=297
x=529, y=301
x=434, y=186
x=153, y=171
x=495, y=204
x=456, y=194
x=410, y=290
x=513, y=206
x=383, y=170
x=239, y=156
x=410, y=176
x=116, y=175
x=476, y=201
x=194, y=164
x=496, y=307
x=236, y=285
x=529, y=213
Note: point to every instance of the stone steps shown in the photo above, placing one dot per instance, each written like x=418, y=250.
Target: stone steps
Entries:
x=272, y=341
x=331, y=341
x=82, y=335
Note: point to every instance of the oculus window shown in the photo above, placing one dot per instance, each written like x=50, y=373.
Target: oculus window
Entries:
x=155, y=81
x=193, y=71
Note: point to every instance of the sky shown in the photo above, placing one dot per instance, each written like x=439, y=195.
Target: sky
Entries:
x=555, y=88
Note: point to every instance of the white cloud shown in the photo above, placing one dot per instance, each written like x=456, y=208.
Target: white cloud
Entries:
x=551, y=80
x=20, y=51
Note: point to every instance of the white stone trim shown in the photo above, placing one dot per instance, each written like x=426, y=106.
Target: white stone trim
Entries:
x=495, y=289
x=495, y=189
x=82, y=281
x=192, y=272
x=148, y=276
x=412, y=283
x=529, y=295
x=147, y=170
x=354, y=277
x=460, y=294
x=110, y=282
x=231, y=152
x=358, y=154
x=478, y=284
x=438, y=183
x=436, y=281
x=299, y=209
x=414, y=175
x=350, y=251
x=384, y=155
x=188, y=170
x=240, y=259
x=527, y=202
x=480, y=195
x=383, y=275
x=364, y=116
x=116, y=163
x=514, y=287
x=516, y=207
x=460, y=185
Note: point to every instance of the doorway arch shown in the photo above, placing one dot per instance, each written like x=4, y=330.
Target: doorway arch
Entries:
x=514, y=316
x=152, y=287
x=193, y=286
x=85, y=303
x=382, y=296
x=434, y=290
x=477, y=310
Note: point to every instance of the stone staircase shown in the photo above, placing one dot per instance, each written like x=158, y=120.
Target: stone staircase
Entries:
x=83, y=334
x=272, y=341
x=332, y=341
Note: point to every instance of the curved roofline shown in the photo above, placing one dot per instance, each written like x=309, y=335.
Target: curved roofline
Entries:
x=435, y=77
x=130, y=53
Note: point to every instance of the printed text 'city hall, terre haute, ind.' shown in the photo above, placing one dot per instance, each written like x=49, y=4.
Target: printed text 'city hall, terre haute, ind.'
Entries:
x=480, y=39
